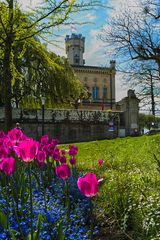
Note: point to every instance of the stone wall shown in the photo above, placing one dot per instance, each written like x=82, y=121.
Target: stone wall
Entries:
x=58, y=116
x=66, y=125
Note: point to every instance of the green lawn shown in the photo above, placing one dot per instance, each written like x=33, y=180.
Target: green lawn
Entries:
x=129, y=198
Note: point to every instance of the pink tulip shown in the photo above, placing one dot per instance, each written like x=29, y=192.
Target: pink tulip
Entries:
x=52, y=146
x=15, y=135
x=63, y=159
x=73, y=150
x=54, y=142
x=7, y=143
x=2, y=134
x=44, y=148
x=100, y=161
x=44, y=139
x=63, y=151
x=41, y=156
x=8, y=165
x=56, y=154
x=3, y=152
x=63, y=171
x=88, y=184
x=27, y=150
x=72, y=161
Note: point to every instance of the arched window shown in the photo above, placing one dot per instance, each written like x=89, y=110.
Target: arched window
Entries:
x=104, y=93
x=85, y=79
x=95, y=93
x=76, y=59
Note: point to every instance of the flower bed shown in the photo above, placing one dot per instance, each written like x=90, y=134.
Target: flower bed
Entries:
x=39, y=194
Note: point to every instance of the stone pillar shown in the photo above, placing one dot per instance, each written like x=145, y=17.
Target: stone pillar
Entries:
x=130, y=107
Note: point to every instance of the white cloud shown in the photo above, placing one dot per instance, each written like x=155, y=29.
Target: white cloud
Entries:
x=118, y=5
x=29, y=4
x=91, y=17
x=121, y=89
x=94, y=54
x=57, y=46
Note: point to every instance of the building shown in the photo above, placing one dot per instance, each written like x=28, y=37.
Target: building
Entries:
x=100, y=81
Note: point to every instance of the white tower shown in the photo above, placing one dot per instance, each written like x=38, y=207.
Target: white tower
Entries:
x=75, y=49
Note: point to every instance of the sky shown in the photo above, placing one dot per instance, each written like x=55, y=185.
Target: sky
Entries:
x=95, y=53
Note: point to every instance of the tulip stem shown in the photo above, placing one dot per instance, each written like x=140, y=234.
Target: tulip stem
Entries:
x=15, y=207
x=7, y=200
x=67, y=204
x=45, y=203
x=31, y=202
x=44, y=190
x=91, y=220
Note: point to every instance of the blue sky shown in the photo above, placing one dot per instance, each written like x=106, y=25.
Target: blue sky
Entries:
x=94, y=48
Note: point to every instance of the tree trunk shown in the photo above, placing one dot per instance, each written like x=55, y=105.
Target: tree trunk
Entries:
x=152, y=97
x=158, y=63
x=7, y=77
x=7, y=74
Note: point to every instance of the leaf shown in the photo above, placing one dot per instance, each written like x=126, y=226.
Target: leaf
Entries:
x=12, y=233
x=36, y=234
x=36, y=178
x=3, y=219
x=157, y=161
x=61, y=235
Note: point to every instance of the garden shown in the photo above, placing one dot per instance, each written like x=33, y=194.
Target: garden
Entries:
x=108, y=189
x=43, y=194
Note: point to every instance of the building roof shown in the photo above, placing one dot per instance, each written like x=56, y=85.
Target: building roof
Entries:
x=74, y=36
x=91, y=69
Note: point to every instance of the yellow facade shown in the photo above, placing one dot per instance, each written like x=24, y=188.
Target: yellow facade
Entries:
x=100, y=81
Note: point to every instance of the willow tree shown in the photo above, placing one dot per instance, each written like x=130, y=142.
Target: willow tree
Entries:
x=17, y=27
x=45, y=74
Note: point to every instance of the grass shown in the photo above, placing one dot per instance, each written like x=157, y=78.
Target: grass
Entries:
x=128, y=200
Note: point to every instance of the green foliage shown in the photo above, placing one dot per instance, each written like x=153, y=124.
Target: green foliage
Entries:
x=129, y=196
x=60, y=234
x=47, y=75
x=3, y=219
x=146, y=120
x=36, y=71
x=36, y=234
x=19, y=33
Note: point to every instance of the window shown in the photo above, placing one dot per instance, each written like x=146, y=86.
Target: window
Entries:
x=85, y=79
x=86, y=85
x=76, y=59
x=95, y=93
x=104, y=93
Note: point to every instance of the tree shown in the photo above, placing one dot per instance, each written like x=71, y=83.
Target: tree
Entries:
x=144, y=79
x=148, y=121
x=43, y=73
x=17, y=27
x=134, y=36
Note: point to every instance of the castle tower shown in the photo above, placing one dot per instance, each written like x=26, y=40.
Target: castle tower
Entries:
x=75, y=49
